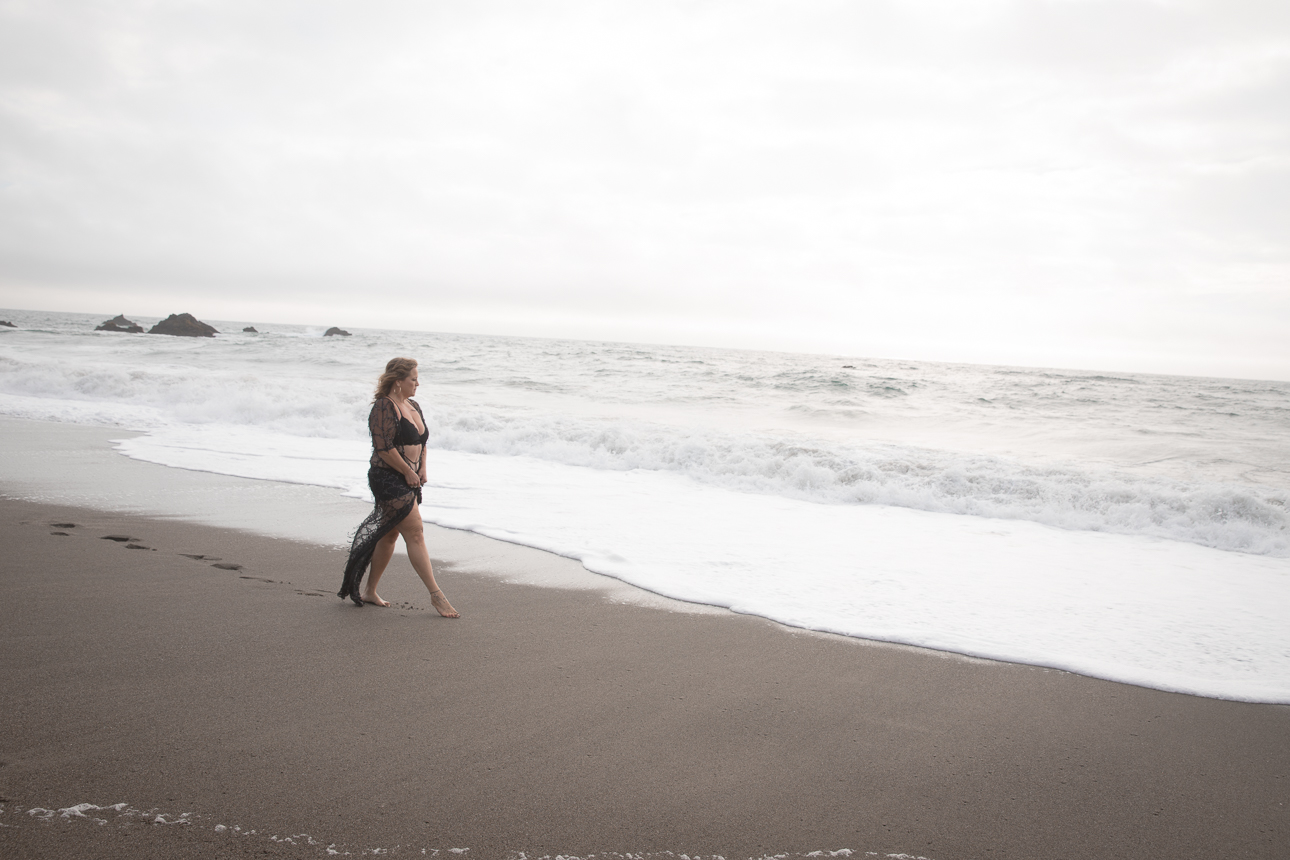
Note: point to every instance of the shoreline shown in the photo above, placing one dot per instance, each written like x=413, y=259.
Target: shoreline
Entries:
x=553, y=720
x=78, y=464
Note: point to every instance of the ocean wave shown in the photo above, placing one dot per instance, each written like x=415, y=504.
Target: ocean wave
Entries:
x=311, y=393
x=146, y=396
x=1222, y=516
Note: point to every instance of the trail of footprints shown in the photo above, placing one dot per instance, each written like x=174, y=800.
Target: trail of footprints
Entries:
x=215, y=562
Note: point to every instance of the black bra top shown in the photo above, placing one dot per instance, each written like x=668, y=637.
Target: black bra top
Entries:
x=408, y=433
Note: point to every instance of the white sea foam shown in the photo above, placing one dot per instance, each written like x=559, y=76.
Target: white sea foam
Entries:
x=1146, y=611
x=1222, y=515
x=1127, y=527
x=126, y=815
x=301, y=403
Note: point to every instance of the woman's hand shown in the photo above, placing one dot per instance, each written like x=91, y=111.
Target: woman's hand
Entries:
x=414, y=481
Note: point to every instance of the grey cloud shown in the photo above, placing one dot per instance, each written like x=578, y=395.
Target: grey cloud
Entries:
x=856, y=163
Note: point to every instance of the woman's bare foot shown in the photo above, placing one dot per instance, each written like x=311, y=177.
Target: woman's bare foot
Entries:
x=442, y=606
x=375, y=599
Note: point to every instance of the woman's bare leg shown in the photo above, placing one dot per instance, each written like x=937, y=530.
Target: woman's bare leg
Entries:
x=414, y=536
x=380, y=560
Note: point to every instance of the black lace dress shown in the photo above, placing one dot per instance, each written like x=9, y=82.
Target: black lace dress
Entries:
x=394, y=498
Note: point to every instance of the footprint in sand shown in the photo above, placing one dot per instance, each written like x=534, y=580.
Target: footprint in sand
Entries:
x=260, y=579
x=225, y=565
x=61, y=534
x=62, y=526
x=138, y=546
x=118, y=538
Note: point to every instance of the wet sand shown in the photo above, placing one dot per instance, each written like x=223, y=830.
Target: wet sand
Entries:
x=550, y=721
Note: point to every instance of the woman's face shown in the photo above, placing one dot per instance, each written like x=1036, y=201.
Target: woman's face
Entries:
x=408, y=387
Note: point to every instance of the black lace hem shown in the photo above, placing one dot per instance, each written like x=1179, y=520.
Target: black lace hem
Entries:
x=394, y=501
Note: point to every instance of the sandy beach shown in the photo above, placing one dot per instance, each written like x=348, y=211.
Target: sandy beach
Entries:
x=272, y=719
x=848, y=431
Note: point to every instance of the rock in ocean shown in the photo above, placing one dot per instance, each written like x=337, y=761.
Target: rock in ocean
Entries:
x=250, y=329
x=120, y=323
x=183, y=325
x=335, y=331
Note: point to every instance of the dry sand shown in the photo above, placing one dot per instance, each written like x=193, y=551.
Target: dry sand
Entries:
x=552, y=721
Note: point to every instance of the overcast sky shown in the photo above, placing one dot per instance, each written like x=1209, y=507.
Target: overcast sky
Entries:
x=1069, y=183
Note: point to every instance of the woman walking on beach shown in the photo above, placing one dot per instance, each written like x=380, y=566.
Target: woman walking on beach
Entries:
x=398, y=470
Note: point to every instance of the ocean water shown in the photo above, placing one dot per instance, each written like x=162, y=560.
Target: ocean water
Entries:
x=1126, y=526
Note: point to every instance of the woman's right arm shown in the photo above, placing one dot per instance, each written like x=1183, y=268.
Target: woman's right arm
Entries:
x=398, y=464
x=384, y=424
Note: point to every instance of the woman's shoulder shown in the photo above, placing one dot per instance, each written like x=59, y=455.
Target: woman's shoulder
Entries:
x=416, y=406
x=383, y=404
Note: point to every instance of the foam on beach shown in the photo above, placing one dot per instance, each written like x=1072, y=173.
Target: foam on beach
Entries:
x=1136, y=609
x=126, y=815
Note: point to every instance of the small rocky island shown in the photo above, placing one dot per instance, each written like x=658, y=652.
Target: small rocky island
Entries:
x=120, y=323
x=183, y=325
x=7, y=324
x=333, y=331
x=250, y=330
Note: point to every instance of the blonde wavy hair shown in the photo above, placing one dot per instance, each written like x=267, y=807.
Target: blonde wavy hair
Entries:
x=396, y=370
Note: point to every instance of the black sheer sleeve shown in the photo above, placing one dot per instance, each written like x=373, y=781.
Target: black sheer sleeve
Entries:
x=384, y=424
